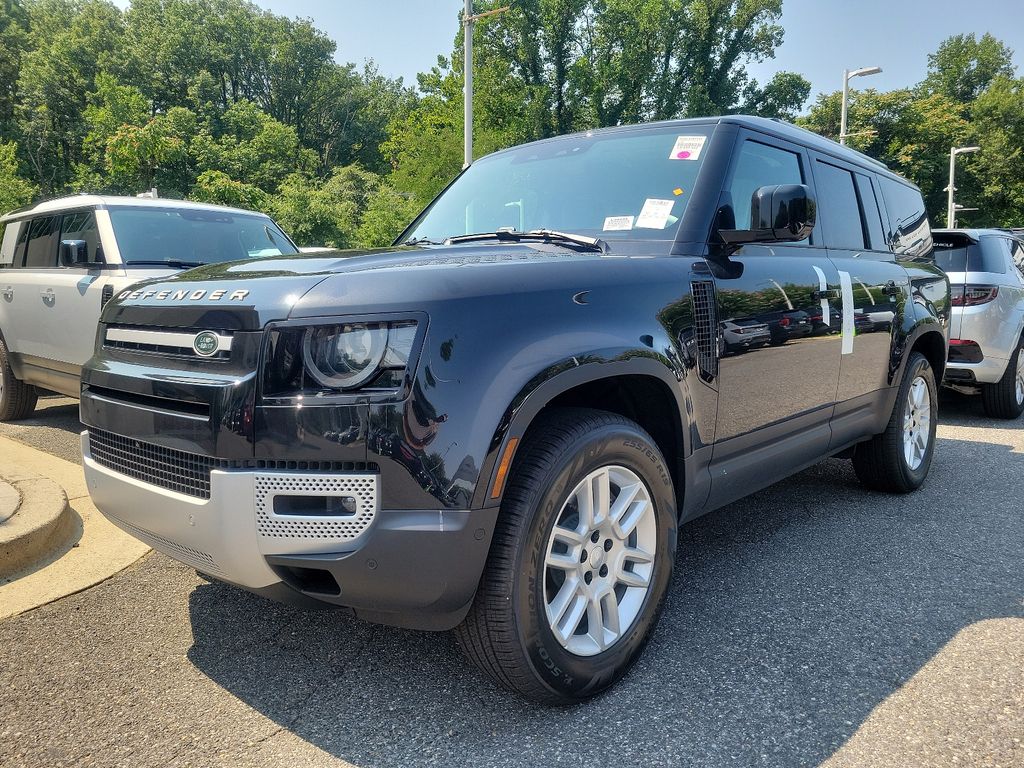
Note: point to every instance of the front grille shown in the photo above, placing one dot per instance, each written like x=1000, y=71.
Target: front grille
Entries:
x=187, y=473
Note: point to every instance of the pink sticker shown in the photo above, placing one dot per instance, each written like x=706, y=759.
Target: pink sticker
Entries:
x=683, y=155
x=687, y=148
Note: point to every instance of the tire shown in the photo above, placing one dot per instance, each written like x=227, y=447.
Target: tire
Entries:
x=17, y=399
x=883, y=463
x=507, y=633
x=1005, y=399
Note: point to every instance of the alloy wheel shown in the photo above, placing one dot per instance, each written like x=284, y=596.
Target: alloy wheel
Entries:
x=600, y=560
x=917, y=419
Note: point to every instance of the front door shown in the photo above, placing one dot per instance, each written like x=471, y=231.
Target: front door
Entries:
x=775, y=397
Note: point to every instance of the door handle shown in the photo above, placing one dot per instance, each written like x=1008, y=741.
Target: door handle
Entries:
x=7, y=293
x=47, y=294
x=831, y=293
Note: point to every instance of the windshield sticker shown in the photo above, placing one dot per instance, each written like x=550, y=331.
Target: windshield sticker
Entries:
x=687, y=148
x=613, y=223
x=677, y=191
x=655, y=214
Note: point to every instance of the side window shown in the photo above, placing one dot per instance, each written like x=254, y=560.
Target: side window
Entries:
x=1017, y=252
x=994, y=252
x=872, y=215
x=837, y=199
x=42, y=243
x=8, y=239
x=21, y=244
x=909, y=235
x=760, y=165
x=82, y=226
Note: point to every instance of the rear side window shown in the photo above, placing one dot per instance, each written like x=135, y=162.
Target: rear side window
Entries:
x=760, y=165
x=1017, y=253
x=42, y=243
x=909, y=232
x=837, y=199
x=82, y=226
x=8, y=238
x=872, y=215
x=960, y=256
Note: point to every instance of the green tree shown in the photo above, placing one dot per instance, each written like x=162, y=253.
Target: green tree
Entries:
x=387, y=214
x=964, y=66
x=14, y=190
x=998, y=115
x=326, y=213
x=14, y=41
x=217, y=187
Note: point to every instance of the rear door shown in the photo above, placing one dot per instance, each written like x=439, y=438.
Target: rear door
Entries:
x=21, y=289
x=873, y=287
x=774, y=398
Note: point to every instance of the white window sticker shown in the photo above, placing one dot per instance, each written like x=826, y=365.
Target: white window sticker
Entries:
x=687, y=148
x=613, y=223
x=654, y=214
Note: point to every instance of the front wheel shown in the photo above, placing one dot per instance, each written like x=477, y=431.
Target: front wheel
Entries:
x=898, y=459
x=1005, y=398
x=17, y=399
x=581, y=559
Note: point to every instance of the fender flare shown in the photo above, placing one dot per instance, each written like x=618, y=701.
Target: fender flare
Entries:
x=556, y=380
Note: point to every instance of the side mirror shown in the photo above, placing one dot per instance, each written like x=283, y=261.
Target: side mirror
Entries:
x=782, y=213
x=74, y=252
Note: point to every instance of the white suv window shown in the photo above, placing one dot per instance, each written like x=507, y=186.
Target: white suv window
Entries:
x=7, y=241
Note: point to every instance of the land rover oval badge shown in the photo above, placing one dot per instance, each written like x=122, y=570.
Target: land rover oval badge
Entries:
x=206, y=343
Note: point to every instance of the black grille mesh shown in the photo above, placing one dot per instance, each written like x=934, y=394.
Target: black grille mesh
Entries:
x=187, y=473
x=705, y=322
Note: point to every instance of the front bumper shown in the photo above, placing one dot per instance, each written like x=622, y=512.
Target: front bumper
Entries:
x=410, y=568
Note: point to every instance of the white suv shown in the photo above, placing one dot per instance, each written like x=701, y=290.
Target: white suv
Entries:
x=986, y=332
x=60, y=261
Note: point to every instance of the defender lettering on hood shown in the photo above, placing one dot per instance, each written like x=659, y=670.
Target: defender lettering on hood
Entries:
x=180, y=295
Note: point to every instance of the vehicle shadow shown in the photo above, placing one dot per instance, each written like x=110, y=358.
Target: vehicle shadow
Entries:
x=793, y=614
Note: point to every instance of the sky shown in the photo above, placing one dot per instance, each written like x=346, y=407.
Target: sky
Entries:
x=823, y=37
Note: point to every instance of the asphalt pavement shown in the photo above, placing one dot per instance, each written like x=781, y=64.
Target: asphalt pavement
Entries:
x=812, y=622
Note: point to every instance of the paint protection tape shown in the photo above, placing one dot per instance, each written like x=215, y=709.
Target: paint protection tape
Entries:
x=826, y=315
x=846, y=288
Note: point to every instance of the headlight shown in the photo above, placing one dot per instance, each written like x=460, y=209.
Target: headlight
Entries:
x=344, y=356
x=339, y=357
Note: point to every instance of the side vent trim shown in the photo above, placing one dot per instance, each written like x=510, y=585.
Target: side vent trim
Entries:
x=705, y=323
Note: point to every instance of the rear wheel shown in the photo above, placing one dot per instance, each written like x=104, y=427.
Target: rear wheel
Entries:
x=898, y=459
x=17, y=399
x=581, y=559
x=1005, y=399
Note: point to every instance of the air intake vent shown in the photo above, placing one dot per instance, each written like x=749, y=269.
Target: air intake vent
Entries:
x=107, y=294
x=705, y=325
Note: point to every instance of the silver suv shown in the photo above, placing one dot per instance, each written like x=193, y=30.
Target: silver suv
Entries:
x=986, y=345
x=60, y=261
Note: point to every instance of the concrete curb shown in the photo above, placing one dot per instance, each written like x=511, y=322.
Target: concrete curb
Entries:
x=93, y=550
x=40, y=522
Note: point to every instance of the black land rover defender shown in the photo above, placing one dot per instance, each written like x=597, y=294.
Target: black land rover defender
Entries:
x=498, y=424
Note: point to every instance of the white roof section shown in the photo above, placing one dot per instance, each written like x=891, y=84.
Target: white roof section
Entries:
x=110, y=201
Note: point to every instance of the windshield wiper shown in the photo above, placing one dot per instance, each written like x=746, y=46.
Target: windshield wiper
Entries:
x=422, y=241
x=176, y=263
x=546, y=235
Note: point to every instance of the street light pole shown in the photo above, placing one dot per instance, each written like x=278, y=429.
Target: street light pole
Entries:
x=847, y=76
x=468, y=19
x=950, y=204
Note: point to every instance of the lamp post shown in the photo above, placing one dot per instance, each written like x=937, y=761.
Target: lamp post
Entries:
x=951, y=207
x=848, y=74
x=468, y=19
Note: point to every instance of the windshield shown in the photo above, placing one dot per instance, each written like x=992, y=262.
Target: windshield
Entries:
x=628, y=184
x=193, y=236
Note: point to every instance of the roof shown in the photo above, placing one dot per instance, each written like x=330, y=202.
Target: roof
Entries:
x=971, y=234
x=110, y=201
x=773, y=126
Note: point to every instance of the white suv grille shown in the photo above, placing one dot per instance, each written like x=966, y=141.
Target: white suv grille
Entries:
x=298, y=533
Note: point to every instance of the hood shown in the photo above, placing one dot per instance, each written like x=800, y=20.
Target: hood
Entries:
x=248, y=294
